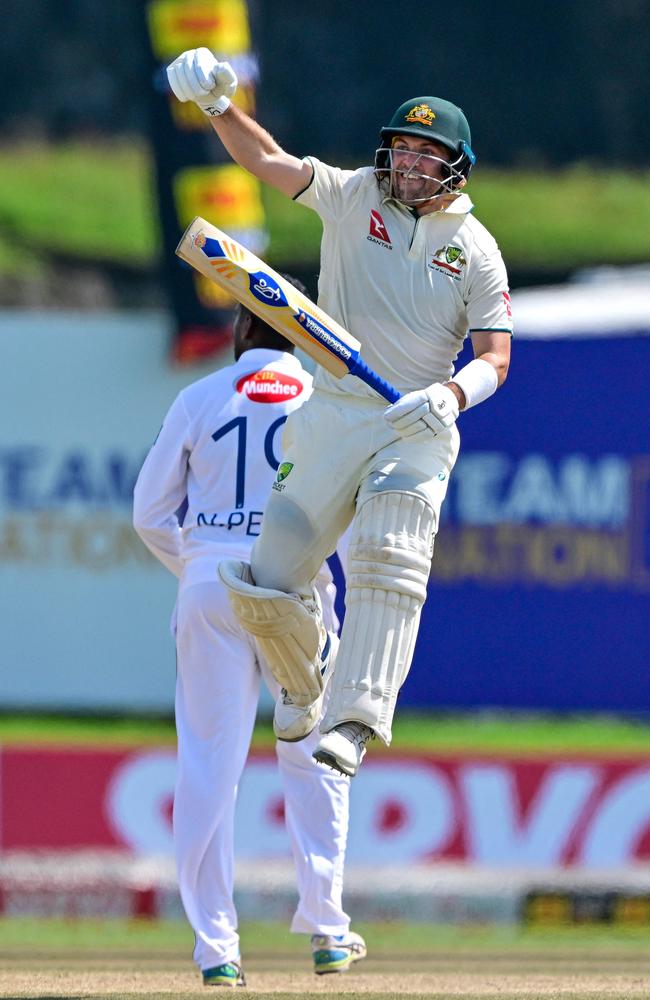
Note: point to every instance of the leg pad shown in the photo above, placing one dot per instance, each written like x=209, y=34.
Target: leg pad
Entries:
x=288, y=629
x=388, y=569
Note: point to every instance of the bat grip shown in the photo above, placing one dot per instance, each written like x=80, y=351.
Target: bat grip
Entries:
x=375, y=381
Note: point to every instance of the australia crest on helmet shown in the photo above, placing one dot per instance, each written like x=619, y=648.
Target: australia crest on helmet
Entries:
x=421, y=114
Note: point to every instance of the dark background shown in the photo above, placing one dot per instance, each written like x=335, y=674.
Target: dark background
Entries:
x=540, y=85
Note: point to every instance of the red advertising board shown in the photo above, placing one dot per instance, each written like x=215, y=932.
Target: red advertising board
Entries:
x=586, y=811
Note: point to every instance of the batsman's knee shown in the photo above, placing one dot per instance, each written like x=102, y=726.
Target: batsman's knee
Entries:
x=392, y=545
x=290, y=551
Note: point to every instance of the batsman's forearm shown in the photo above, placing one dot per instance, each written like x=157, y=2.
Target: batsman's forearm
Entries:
x=499, y=362
x=255, y=149
x=246, y=141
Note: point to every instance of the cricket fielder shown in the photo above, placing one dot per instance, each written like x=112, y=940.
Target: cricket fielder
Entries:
x=409, y=272
x=219, y=448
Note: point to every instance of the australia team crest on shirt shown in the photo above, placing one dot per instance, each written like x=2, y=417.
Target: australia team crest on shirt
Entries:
x=449, y=259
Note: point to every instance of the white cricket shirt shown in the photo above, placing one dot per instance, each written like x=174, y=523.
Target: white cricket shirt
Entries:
x=410, y=289
x=219, y=447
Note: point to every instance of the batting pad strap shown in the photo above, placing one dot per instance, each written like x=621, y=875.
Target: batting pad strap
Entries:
x=389, y=560
x=478, y=380
x=288, y=629
x=388, y=568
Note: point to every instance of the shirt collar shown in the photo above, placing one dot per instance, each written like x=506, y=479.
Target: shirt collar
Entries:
x=462, y=206
x=257, y=357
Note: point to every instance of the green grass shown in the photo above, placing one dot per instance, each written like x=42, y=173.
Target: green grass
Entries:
x=75, y=958
x=96, y=199
x=294, y=230
x=561, y=219
x=61, y=729
x=477, y=732
x=85, y=199
x=18, y=934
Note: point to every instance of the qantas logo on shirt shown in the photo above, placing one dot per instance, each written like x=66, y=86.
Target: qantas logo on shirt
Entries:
x=378, y=232
x=268, y=386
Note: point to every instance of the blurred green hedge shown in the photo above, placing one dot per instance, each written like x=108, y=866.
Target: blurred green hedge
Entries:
x=96, y=200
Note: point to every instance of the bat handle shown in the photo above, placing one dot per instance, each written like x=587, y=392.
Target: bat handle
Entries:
x=375, y=381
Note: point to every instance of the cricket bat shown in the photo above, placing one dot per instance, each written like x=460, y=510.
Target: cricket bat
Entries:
x=266, y=293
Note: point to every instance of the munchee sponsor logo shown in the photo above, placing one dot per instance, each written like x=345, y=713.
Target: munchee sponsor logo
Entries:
x=267, y=386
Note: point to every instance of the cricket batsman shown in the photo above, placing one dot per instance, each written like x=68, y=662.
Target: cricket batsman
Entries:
x=408, y=270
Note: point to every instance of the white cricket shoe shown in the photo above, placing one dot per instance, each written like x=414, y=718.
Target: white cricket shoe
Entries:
x=336, y=953
x=344, y=747
x=291, y=720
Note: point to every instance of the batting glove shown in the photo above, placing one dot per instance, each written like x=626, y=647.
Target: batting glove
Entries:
x=197, y=76
x=434, y=408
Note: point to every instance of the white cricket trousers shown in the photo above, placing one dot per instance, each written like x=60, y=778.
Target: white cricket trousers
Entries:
x=345, y=465
x=341, y=452
x=217, y=690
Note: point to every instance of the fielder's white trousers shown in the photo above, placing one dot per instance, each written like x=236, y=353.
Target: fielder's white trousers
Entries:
x=218, y=683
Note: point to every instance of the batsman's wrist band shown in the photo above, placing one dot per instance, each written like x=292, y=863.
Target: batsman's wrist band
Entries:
x=218, y=108
x=478, y=380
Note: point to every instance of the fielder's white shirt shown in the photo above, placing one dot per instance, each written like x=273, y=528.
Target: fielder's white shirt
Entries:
x=410, y=289
x=219, y=447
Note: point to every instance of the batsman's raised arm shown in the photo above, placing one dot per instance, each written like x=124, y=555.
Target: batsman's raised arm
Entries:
x=198, y=76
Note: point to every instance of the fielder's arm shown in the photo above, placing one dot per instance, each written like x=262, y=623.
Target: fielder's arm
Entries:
x=160, y=489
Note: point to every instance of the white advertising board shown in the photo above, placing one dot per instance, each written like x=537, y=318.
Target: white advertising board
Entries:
x=84, y=607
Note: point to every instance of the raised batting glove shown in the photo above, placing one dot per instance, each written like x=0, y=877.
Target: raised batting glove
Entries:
x=197, y=76
x=434, y=408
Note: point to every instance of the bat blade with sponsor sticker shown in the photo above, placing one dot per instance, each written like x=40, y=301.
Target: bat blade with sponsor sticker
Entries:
x=266, y=293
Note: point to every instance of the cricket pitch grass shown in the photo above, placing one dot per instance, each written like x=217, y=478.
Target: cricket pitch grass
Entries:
x=85, y=960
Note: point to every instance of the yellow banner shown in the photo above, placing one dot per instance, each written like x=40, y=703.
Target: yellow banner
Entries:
x=212, y=296
x=226, y=195
x=177, y=25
